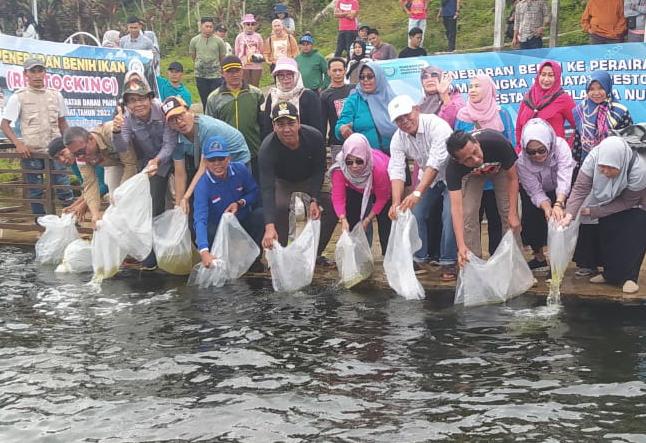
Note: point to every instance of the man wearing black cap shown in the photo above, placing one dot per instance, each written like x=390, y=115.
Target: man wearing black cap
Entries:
x=293, y=159
x=173, y=84
x=41, y=112
x=135, y=39
x=221, y=31
x=238, y=104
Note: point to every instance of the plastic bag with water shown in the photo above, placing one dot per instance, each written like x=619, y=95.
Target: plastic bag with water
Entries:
x=107, y=255
x=292, y=267
x=561, y=242
x=398, y=262
x=59, y=232
x=234, y=251
x=172, y=242
x=77, y=257
x=130, y=217
x=354, y=257
x=504, y=276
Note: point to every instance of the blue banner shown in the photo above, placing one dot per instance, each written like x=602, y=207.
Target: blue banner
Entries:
x=89, y=77
x=514, y=71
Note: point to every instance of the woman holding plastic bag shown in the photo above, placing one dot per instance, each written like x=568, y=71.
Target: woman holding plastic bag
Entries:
x=613, y=177
x=545, y=167
x=361, y=187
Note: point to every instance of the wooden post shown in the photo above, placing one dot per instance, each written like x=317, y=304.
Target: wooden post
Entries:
x=499, y=26
x=554, y=24
x=48, y=191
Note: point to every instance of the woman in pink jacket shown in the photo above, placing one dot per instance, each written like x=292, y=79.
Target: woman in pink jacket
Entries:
x=361, y=187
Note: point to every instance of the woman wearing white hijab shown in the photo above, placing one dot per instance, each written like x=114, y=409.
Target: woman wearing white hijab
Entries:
x=614, y=178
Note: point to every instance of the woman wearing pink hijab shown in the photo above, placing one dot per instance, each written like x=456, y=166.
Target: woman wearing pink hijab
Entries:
x=361, y=187
x=482, y=112
x=547, y=100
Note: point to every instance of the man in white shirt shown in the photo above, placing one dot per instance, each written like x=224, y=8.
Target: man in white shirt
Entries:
x=422, y=138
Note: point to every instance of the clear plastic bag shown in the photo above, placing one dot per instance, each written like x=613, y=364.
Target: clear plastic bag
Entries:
x=234, y=251
x=77, y=257
x=130, y=217
x=172, y=242
x=59, y=232
x=398, y=262
x=107, y=255
x=504, y=276
x=292, y=267
x=561, y=242
x=354, y=257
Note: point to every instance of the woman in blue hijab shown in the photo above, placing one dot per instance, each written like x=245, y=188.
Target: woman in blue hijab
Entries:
x=366, y=109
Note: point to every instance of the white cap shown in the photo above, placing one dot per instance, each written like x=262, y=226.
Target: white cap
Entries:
x=400, y=105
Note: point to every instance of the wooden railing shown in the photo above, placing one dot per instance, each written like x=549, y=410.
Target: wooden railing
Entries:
x=15, y=205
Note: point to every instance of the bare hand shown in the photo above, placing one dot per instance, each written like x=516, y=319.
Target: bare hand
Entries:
x=463, y=256
x=207, y=259
x=557, y=213
x=445, y=83
x=585, y=211
x=515, y=43
x=22, y=149
x=392, y=212
x=366, y=223
x=315, y=211
x=152, y=166
x=514, y=222
x=346, y=130
x=548, y=213
x=232, y=208
x=95, y=221
x=539, y=32
x=409, y=202
x=117, y=121
x=345, y=226
x=270, y=236
x=565, y=221
x=183, y=205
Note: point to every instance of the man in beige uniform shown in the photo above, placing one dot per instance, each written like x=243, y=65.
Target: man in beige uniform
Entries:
x=41, y=112
x=89, y=149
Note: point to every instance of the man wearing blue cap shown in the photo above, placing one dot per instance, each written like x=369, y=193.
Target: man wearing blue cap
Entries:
x=312, y=65
x=226, y=186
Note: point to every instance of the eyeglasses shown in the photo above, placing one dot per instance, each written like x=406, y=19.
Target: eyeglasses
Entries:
x=539, y=151
x=139, y=99
x=285, y=75
x=356, y=161
x=366, y=77
x=250, y=24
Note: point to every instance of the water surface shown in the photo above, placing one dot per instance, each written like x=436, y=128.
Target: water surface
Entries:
x=148, y=359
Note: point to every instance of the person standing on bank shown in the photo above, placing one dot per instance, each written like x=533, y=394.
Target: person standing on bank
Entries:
x=312, y=65
x=614, y=178
x=347, y=12
x=439, y=96
x=357, y=55
x=41, y=112
x=207, y=51
x=474, y=158
x=414, y=48
x=417, y=12
x=531, y=19
x=293, y=159
x=450, y=11
x=135, y=38
x=381, y=50
x=635, y=13
x=332, y=100
x=248, y=48
x=604, y=21
x=422, y=138
x=280, y=44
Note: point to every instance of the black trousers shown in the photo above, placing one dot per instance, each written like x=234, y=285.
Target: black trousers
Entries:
x=353, y=212
x=158, y=188
x=434, y=228
x=451, y=30
x=489, y=208
x=343, y=41
x=205, y=86
x=587, y=253
x=533, y=221
x=623, y=245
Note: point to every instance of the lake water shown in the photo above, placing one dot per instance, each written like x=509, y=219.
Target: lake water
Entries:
x=149, y=359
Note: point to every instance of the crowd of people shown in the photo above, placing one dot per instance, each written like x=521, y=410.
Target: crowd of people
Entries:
x=451, y=160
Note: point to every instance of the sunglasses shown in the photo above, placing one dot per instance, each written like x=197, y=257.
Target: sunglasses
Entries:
x=365, y=77
x=356, y=161
x=539, y=151
x=431, y=75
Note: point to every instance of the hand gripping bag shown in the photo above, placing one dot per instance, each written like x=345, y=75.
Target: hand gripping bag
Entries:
x=107, y=255
x=561, y=242
x=398, y=263
x=59, y=232
x=504, y=276
x=292, y=267
x=172, y=242
x=129, y=218
x=354, y=257
x=234, y=251
x=77, y=257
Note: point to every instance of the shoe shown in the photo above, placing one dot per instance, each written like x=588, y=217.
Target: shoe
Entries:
x=419, y=269
x=148, y=268
x=585, y=272
x=630, y=287
x=599, y=278
x=434, y=262
x=324, y=262
x=538, y=265
x=448, y=273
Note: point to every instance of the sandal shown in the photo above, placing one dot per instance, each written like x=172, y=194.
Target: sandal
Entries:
x=448, y=274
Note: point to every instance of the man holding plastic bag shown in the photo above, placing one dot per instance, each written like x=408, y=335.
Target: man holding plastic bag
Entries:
x=225, y=187
x=152, y=138
x=474, y=158
x=293, y=159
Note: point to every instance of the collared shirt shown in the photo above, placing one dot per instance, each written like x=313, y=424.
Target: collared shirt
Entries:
x=529, y=16
x=151, y=139
x=207, y=53
x=141, y=42
x=427, y=148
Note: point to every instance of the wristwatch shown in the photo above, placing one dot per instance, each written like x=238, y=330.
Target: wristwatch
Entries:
x=417, y=194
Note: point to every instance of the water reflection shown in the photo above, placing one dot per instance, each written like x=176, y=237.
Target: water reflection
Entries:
x=148, y=359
